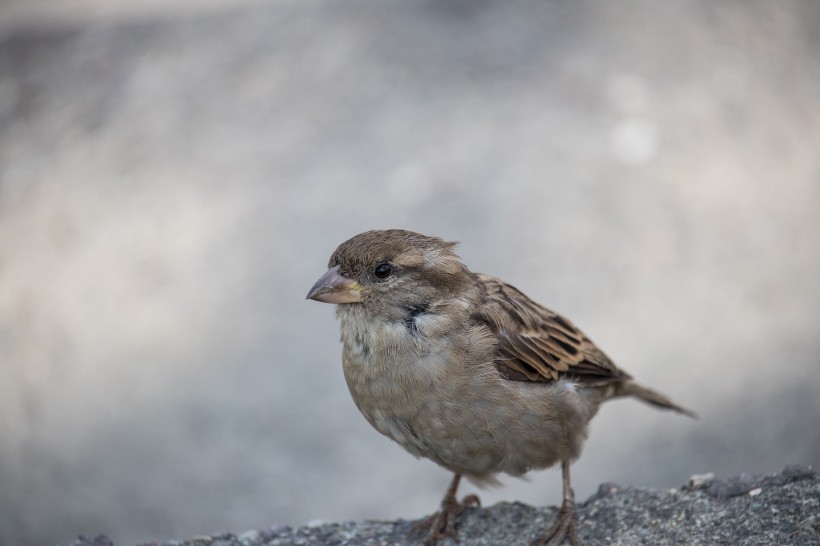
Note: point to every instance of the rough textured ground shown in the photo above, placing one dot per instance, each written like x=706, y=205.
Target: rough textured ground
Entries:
x=748, y=509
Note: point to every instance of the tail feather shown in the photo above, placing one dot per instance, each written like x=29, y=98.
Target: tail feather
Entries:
x=630, y=388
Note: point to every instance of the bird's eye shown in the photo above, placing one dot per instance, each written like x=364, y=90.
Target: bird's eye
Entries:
x=383, y=271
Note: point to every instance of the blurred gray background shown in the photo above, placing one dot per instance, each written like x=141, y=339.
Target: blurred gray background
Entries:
x=175, y=175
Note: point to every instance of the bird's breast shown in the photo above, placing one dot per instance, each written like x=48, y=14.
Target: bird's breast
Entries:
x=387, y=362
x=441, y=397
x=395, y=371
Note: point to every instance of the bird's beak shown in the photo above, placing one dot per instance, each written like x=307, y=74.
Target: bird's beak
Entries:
x=332, y=287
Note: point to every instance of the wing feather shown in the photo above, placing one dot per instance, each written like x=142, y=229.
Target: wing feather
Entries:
x=536, y=344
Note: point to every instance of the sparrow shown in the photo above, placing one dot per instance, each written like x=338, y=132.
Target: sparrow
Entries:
x=464, y=369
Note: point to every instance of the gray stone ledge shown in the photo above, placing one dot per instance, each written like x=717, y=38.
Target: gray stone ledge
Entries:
x=748, y=509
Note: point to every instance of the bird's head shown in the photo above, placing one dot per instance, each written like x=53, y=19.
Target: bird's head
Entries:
x=390, y=269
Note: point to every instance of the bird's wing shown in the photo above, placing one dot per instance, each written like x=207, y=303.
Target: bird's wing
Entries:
x=536, y=344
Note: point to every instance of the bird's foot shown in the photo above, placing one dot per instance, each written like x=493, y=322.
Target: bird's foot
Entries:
x=442, y=524
x=564, y=528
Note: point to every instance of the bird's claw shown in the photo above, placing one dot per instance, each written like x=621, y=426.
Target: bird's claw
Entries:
x=564, y=528
x=442, y=524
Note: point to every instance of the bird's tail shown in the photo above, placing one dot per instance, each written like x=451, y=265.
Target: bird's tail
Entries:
x=630, y=388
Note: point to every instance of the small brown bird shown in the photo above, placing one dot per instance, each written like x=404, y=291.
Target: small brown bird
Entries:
x=465, y=370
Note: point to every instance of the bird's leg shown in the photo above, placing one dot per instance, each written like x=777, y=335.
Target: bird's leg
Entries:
x=565, y=527
x=443, y=523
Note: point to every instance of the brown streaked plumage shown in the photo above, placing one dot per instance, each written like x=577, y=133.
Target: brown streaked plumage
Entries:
x=463, y=368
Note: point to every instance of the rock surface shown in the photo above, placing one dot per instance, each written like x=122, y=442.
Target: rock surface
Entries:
x=781, y=508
